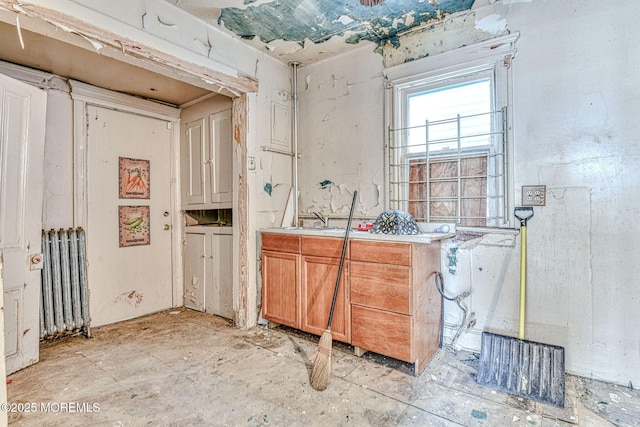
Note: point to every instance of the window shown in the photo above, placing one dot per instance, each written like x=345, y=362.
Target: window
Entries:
x=448, y=157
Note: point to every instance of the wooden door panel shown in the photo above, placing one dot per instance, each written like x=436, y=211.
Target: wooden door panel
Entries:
x=319, y=277
x=280, y=272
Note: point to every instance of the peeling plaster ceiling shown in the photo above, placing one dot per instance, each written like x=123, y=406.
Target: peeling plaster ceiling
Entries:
x=310, y=30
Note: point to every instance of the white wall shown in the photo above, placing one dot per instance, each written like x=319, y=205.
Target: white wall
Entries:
x=58, y=170
x=340, y=135
x=575, y=130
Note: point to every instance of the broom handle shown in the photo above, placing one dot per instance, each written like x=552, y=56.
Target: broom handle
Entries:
x=344, y=250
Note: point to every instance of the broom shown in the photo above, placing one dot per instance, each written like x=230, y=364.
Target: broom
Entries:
x=321, y=370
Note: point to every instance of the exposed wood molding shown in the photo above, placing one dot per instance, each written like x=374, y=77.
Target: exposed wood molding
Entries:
x=217, y=77
x=241, y=209
x=107, y=98
x=37, y=78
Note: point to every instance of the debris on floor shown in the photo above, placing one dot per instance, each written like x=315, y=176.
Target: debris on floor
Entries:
x=197, y=369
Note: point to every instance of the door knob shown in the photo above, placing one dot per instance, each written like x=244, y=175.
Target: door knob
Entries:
x=167, y=227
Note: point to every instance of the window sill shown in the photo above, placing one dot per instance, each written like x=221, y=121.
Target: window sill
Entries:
x=488, y=230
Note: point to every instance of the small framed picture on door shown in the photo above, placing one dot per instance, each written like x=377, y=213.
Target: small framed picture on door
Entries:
x=134, y=225
x=134, y=178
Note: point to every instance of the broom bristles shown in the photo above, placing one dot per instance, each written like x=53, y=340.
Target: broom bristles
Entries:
x=321, y=369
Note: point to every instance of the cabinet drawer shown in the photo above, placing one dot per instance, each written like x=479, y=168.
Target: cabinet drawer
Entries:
x=382, y=332
x=328, y=247
x=382, y=286
x=381, y=252
x=281, y=243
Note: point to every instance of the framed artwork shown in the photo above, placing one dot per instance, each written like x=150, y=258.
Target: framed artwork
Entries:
x=134, y=225
x=134, y=178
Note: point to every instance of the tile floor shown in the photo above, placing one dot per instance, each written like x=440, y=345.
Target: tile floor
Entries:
x=184, y=368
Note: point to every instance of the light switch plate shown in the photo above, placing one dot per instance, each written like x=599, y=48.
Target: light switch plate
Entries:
x=534, y=195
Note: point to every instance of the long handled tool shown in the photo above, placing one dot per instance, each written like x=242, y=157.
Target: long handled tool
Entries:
x=525, y=214
x=518, y=366
x=321, y=370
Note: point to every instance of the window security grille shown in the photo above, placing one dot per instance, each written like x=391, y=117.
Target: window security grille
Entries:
x=452, y=170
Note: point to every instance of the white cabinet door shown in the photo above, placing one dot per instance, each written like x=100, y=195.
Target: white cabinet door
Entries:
x=219, y=295
x=195, y=270
x=195, y=157
x=22, y=130
x=221, y=164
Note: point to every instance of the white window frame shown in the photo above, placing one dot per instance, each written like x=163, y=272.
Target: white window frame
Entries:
x=492, y=57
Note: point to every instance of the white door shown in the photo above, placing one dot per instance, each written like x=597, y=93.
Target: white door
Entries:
x=22, y=129
x=129, y=243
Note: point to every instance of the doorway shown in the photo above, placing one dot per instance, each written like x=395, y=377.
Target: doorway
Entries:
x=130, y=215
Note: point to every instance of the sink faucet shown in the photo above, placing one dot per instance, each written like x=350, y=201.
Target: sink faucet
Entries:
x=324, y=219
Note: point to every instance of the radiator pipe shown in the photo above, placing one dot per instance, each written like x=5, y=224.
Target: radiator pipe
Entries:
x=294, y=90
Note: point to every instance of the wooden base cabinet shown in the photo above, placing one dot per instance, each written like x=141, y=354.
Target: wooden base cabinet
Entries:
x=387, y=300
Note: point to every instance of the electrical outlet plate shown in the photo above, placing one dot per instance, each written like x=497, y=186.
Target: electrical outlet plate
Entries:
x=534, y=195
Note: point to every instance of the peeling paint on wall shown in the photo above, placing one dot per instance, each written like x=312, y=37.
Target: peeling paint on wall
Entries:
x=452, y=256
x=324, y=184
x=268, y=188
x=131, y=298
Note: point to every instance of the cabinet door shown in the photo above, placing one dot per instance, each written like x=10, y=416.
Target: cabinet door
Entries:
x=195, y=270
x=219, y=292
x=319, y=277
x=194, y=158
x=221, y=149
x=280, y=298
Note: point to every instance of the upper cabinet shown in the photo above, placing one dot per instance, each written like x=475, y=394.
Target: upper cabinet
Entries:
x=206, y=161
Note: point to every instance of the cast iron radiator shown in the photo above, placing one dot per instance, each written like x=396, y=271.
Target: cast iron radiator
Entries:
x=64, y=304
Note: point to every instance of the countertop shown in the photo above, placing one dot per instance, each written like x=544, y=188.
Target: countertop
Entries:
x=362, y=235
